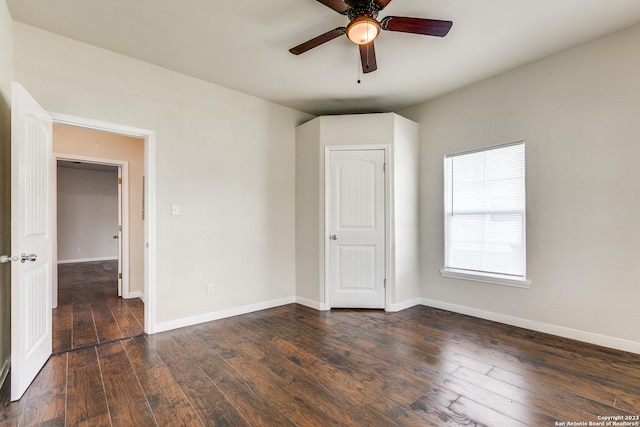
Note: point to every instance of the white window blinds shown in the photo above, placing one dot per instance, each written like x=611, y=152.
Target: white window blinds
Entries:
x=485, y=211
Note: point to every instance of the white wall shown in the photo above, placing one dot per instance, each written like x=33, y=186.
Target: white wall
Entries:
x=406, y=212
x=579, y=114
x=309, y=236
x=225, y=157
x=6, y=66
x=87, y=214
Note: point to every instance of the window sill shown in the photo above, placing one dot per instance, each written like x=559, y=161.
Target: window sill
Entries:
x=486, y=278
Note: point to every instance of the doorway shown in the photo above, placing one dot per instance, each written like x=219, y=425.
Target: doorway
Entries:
x=92, y=252
x=99, y=233
x=89, y=213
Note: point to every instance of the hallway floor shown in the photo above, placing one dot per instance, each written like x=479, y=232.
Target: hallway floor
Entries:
x=89, y=310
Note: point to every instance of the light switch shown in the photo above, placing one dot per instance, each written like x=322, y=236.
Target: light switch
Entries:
x=175, y=209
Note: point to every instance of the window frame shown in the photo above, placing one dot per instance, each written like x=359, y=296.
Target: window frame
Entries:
x=480, y=276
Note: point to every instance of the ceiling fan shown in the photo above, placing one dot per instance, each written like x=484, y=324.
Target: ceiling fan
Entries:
x=363, y=28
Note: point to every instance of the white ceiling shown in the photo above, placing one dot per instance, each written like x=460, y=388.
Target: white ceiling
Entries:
x=244, y=45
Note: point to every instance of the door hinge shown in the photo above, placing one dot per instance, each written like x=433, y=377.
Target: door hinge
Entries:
x=384, y=167
x=119, y=275
x=119, y=180
x=385, y=283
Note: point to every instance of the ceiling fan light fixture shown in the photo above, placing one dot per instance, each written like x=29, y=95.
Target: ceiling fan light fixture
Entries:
x=363, y=30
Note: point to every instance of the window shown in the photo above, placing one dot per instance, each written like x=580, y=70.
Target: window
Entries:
x=485, y=215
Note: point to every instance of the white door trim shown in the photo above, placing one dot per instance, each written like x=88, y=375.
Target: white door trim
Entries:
x=124, y=167
x=149, y=137
x=327, y=214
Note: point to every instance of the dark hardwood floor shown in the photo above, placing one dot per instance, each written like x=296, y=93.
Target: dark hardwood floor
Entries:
x=294, y=366
x=89, y=310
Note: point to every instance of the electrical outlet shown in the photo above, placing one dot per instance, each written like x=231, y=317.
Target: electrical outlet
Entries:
x=210, y=288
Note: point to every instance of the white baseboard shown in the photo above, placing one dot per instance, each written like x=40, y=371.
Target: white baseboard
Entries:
x=4, y=372
x=403, y=305
x=135, y=294
x=78, y=260
x=216, y=315
x=321, y=306
x=589, y=337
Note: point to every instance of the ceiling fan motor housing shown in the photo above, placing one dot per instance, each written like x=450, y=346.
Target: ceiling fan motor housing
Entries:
x=362, y=8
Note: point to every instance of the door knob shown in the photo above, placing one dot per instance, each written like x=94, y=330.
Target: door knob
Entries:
x=115, y=236
x=30, y=257
x=334, y=237
x=6, y=258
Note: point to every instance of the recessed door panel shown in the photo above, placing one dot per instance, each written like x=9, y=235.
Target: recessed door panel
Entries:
x=357, y=267
x=356, y=195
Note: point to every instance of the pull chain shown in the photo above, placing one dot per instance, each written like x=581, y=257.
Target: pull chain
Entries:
x=359, y=70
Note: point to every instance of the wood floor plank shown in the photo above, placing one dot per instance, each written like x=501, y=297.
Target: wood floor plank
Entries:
x=396, y=371
x=511, y=406
x=433, y=413
x=127, y=322
x=84, y=329
x=565, y=361
x=46, y=396
x=136, y=306
x=294, y=403
x=306, y=401
x=531, y=367
x=86, y=399
x=629, y=404
x=209, y=402
x=410, y=334
x=394, y=381
x=9, y=411
x=343, y=354
x=486, y=415
x=559, y=399
x=342, y=393
x=62, y=332
x=253, y=406
x=125, y=398
x=106, y=325
x=168, y=403
x=399, y=394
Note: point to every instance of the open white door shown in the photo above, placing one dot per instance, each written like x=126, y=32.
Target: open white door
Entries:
x=357, y=229
x=118, y=234
x=31, y=159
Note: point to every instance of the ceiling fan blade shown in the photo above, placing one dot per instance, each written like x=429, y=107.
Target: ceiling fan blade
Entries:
x=368, y=58
x=382, y=3
x=317, y=41
x=337, y=5
x=427, y=27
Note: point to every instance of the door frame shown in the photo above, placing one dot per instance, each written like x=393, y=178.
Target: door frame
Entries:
x=388, y=197
x=149, y=191
x=123, y=165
